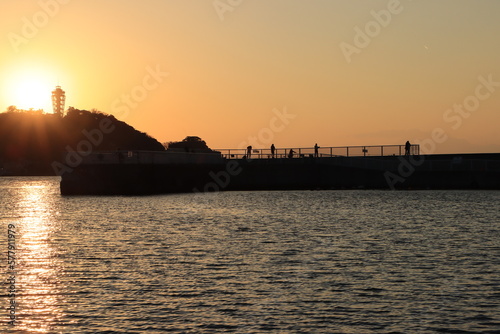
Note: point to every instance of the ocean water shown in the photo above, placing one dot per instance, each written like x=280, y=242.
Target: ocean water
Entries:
x=250, y=262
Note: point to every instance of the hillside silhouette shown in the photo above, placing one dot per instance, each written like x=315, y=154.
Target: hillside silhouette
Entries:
x=31, y=140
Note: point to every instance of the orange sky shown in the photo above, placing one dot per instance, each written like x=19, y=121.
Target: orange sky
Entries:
x=336, y=72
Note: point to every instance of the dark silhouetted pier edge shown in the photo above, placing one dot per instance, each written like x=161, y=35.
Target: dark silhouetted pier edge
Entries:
x=323, y=152
x=354, y=167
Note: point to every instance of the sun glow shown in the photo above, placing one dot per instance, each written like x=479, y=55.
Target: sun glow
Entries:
x=30, y=88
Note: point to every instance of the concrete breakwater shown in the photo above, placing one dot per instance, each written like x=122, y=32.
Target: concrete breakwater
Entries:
x=142, y=173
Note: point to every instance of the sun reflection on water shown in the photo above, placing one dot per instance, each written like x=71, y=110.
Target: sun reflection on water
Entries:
x=38, y=270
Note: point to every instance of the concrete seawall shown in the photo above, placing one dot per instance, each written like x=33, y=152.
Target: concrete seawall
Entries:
x=197, y=174
x=422, y=172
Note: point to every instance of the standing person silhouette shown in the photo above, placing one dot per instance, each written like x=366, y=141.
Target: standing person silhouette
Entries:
x=316, y=147
x=407, y=147
x=272, y=150
x=290, y=154
x=249, y=151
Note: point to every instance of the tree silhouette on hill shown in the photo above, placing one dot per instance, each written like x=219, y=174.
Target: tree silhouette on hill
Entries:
x=189, y=144
x=31, y=140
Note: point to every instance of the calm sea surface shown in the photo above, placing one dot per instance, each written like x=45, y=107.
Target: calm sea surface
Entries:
x=250, y=262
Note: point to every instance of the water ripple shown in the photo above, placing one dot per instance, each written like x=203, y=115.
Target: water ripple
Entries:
x=254, y=262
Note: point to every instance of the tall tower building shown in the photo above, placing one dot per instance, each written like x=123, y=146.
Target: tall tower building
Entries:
x=58, y=100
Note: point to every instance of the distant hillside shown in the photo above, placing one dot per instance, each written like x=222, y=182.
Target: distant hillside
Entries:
x=30, y=140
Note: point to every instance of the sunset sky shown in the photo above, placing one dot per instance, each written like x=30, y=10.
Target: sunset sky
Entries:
x=288, y=72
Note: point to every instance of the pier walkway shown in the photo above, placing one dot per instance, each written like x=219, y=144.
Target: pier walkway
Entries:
x=342, y=151
x=179, y=156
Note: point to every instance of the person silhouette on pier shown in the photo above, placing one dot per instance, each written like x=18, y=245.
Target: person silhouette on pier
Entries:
x=290, y=154
x=272, y=150
x=316, y=153
x=249, y=151
x=407, y=148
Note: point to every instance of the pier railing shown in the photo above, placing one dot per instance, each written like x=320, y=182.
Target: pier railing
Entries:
x=342, y=151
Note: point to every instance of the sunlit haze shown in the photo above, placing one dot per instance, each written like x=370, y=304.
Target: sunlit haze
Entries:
x=293, y=73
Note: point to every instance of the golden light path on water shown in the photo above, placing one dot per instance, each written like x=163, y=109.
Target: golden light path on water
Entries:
x=252, y=262
x=38, y=268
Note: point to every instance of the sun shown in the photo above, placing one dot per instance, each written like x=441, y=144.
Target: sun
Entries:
x=30, y=88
